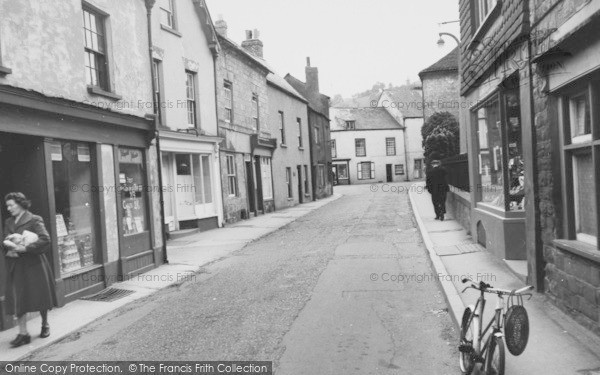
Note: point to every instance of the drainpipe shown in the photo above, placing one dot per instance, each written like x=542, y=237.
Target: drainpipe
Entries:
x=406, y=153
x=149, y=5
x=215, y=70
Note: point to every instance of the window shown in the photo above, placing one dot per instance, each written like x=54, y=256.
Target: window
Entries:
x=299, y=125
x=321, y=175
x=306, y=187
x=228, y=102
x=360, y=146
x=282, y=127
x=267, y=177
x=96, y=66
x=255, y=123
x=399, y=169
x=390, y=146
x=231, y=176
x=167, y=14
x=365, y=170
x=581, y=141
x=132, y=179
x=288, y=181
x=333, y=149
x=195, y=183
x=190, y=85
x=342, y=170
x=316, y=135
x=157, y=66
x=481, y=10
x=491, y=172
x=75, y=208
x=350, y=125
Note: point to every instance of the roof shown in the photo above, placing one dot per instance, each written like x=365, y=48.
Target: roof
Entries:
x=228, y=42
x=207, y=25
x=320, y=104
x=359, y=102
x=408, y=99
x=282, y=84
x=377, y=118
x=446, y=63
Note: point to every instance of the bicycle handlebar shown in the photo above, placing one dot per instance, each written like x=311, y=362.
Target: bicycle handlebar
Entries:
x=484, y=287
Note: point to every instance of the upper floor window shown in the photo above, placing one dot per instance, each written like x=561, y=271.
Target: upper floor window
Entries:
x=333, y=149
x=481, y=10
x=390, y=146
x=282, y=127
x=190, y=85
x=167, y=14
x=232, y=176
x=96, y=65
x=3, y=69
x=316, y=135
x=255, y=121
x=228, y=102
x=361, y=147
x=157, y=67
x=350, y=125
x=299, y=125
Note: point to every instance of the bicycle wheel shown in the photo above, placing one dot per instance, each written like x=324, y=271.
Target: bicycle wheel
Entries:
x=494, y=360
x=465, y=349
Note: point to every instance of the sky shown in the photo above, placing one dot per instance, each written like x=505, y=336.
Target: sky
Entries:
x=354, y=43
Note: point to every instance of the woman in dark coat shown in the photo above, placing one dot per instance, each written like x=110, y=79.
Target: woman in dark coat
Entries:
x=30, y=282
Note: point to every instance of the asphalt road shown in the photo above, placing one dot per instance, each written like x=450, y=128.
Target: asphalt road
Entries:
x=346, y=289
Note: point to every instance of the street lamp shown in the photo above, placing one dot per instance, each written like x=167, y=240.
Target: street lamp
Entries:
x=441, y=41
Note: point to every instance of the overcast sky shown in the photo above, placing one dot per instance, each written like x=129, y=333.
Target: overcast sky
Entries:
x=354, y=43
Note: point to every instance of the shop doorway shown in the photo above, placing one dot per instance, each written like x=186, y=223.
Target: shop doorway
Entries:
x=250, y=187
x=22, y=168
x=300, y=182
x=388, y=173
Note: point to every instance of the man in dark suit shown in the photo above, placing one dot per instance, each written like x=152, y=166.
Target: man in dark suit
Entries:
x=437, y=185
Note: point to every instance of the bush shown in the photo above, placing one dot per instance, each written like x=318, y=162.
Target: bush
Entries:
x=441, y=135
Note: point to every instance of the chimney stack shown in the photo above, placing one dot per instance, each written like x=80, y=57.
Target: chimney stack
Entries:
x=312, y=78
x=221, y=26
x=253, y=44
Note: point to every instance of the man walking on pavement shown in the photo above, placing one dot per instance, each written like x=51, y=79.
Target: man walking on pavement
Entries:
x=437, y=185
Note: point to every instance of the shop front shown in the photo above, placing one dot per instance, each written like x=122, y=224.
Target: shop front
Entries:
x=498, y=166
x=191, y=185
x=87, y=174
x=340, y=170
x=260, y=196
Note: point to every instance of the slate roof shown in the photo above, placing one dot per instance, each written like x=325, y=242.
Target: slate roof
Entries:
x=228, y=42
x=366, y=119
x=321, y=105
x=446, y=63
x=408, y=99
x=282, y=84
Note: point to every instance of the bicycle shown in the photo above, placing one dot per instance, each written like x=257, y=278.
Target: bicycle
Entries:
x=492, y=354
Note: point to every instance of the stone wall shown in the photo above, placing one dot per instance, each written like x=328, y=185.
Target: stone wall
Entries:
x=441, y=93
x=458, y=204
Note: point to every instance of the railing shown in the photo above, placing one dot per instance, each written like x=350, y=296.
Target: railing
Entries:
x=458, y=171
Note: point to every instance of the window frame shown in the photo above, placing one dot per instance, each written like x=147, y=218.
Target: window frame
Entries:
x=399, y=167
x=360, y=173
x=255, y=112
x=100, y=55
x=158, y=90
x=570, y=147
x=333, y=149
x=316, y=135
x=172, y=15
x=364, y=147
x=387, y=146
x=190, y=76
x=232, y=180
x=228, y=87
x=299, y=125
x=350, y=125
x=282, y=127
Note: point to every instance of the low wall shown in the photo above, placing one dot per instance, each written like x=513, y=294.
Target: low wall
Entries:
x=458, y=203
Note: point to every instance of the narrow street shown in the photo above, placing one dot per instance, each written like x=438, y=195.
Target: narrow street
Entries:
x=314, y=297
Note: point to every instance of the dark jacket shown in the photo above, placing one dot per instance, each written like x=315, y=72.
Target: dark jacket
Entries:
x=30, y=281
x=436, y=182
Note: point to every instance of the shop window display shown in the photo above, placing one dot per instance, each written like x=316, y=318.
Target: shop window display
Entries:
x=133, y=195
x=75, y=206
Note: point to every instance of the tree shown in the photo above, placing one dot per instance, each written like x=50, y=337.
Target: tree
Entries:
x=442, y=120
x=442, y=142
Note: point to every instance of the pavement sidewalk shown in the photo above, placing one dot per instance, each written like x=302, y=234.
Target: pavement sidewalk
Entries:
x=557, y=344
x=186, y=255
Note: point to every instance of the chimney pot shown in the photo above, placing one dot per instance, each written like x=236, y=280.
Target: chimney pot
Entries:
x=252, y=44
x=308, y=61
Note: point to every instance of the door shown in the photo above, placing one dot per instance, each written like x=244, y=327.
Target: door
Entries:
x=418, y=173
x=259, y=191
x=388, y=172
x=300, y=182
x=334, y=171
x=250, y=187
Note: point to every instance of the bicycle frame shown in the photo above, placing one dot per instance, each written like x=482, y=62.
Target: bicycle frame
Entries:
x=495, y=324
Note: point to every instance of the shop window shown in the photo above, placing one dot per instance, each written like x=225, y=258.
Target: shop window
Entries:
x=582, y=168
x=366, y=170
x=342, y=171
x=390, y=146
x=267, y=177
x=288, y=182
x=132, y=180
x=399, y=169
x=75, y=205
x=195, y=169
x=360, y=145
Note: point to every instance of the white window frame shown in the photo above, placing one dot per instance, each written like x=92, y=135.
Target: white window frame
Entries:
x=190, y=96
x=389, y=145
x=357, y=147
x=360, y=173
x=168, y=11
x=255, y=113
x=333, y=149
x=267, y=177
x=232, y=176
x=282, y=127
x=299, y=124
x=228, y=90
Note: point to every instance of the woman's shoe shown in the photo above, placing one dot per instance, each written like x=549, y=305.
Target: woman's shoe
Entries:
x=16, y=339
x=45, y=332
x=20, y=341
